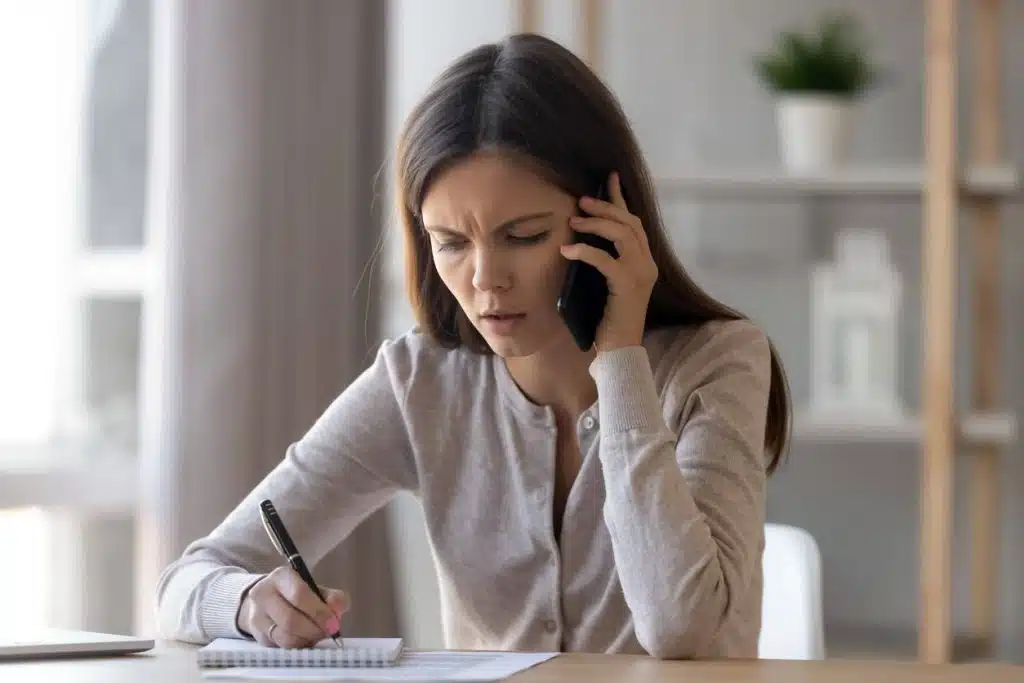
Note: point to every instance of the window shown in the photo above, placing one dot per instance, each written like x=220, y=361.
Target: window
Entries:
x=72, y=293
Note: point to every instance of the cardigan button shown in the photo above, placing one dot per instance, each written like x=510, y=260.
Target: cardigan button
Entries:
x=541, y=495
x=589, y=422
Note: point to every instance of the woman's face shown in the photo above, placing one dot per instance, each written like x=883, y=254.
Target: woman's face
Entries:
x=495, y=230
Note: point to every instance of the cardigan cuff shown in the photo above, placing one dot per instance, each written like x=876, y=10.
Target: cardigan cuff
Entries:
x=627, y=396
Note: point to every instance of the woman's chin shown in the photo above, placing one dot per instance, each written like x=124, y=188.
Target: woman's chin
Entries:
x=508, y=348
x=514, y=345
x=524, y=344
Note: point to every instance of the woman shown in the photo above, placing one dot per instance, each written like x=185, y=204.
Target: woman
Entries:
x=610, y=499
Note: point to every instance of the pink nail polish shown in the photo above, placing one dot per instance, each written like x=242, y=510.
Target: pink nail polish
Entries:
x=333, y=625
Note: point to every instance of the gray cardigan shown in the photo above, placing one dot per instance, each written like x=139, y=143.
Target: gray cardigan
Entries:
x=663, y=529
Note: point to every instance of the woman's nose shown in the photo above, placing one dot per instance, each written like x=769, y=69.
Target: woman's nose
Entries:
x=490, y=271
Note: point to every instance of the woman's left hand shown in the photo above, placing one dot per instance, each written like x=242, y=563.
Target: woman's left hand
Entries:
x=631, y=276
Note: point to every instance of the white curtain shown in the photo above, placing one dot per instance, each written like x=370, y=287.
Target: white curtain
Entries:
x=268, y=124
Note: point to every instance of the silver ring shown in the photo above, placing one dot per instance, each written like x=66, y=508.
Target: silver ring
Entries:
x=270, y=633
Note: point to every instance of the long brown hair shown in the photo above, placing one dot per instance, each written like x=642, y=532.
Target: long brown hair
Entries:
x=530, y=97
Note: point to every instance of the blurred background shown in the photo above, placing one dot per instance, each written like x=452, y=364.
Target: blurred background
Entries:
x=198, y=251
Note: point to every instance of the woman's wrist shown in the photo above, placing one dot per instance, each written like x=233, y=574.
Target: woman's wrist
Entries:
x=240, y=618
x=627, y=396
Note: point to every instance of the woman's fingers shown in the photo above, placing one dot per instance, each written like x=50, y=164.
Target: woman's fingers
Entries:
x=302, y=597
x=602, y=209
x=618, y=234
x=615, y=208
x=261, y=628
x=280, y=610
x=337, y=600
x=615, y=191
x=596, y=257
x=294, y=628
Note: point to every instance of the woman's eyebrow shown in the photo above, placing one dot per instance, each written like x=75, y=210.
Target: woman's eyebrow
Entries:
x=524, y=219
x=511, y=223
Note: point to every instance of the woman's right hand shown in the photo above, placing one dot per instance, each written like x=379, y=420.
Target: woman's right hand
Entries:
x=280, y=610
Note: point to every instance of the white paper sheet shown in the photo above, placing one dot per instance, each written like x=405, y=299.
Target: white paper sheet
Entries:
x=413, y=667
x=240, y=645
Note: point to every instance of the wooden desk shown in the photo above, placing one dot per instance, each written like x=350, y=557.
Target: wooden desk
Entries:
x=174, y=663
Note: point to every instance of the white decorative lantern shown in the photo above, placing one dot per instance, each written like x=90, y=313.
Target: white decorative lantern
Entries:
x=855, y=311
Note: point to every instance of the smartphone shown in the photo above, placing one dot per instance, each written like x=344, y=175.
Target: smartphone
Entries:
x=584, y=293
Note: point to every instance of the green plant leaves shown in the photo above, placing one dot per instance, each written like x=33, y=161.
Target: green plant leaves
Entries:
x=833, y=61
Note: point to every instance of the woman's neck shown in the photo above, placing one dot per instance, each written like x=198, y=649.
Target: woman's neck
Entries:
x=557, y=376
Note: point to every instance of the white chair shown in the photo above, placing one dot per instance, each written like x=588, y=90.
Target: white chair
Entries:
x=791, y=611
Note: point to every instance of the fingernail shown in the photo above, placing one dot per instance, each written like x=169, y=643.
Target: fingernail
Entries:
x=333, y=625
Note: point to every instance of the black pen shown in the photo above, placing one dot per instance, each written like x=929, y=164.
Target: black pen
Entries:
x=282, y=540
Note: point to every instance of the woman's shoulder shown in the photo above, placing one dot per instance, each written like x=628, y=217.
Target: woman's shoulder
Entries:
x=698, y=350
x=416, y=358
x=719, y=360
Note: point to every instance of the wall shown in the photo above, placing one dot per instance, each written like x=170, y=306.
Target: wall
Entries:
x=682, y=70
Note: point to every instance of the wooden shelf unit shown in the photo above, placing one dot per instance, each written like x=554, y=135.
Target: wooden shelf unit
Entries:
x=942, y=183
x=895, y=180
x=972, y=430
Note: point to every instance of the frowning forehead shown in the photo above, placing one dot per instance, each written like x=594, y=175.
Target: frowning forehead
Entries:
x=488, y=192
x=504, y=226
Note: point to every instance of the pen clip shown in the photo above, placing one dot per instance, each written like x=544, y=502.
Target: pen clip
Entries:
x=266, y=509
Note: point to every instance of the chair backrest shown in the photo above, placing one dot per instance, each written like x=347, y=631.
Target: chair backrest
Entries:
x=791, y=611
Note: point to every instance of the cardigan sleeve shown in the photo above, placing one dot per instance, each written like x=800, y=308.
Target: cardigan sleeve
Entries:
x=685, y=496
x=349, y=464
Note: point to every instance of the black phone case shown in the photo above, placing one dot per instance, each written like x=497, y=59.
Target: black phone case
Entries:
x=584, y=294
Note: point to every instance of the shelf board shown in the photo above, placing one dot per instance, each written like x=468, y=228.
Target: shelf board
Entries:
x=975, y=428
x=867, y=180
x=114, y=273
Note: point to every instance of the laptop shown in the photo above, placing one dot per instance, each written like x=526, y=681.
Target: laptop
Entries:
x=52, y=642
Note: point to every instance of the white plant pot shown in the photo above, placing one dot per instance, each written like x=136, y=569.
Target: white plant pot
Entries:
x=813, y=131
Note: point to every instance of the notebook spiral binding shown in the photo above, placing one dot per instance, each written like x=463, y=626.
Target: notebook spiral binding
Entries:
x=295, y=657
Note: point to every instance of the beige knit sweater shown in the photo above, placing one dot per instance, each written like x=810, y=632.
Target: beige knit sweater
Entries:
x=663, y=530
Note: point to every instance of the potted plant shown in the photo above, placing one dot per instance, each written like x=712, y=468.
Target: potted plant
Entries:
x=816, y=77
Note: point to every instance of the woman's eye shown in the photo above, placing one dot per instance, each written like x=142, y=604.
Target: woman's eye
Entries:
x=449, y=246
x=529, y=239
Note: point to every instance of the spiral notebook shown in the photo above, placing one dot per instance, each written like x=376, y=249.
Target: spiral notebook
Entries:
x=357, y=652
